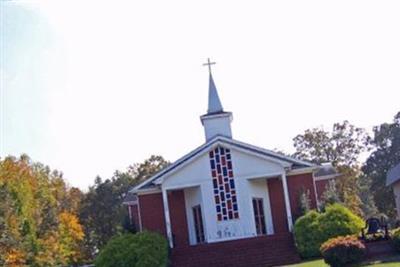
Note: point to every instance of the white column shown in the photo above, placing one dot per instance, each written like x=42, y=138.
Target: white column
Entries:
x=287, y=202
x=315, y=192
x=167, y=218
x=139, y=214
x=130, y=213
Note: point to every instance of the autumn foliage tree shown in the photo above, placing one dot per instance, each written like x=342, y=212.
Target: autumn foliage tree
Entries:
x=38, y=216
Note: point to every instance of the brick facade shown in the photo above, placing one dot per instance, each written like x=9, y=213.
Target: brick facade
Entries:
x=152, y=213
x=321, y=186
x=277, y=200
x=177, y=210
x=297, y=184
x=275, y=250
x=134, y=216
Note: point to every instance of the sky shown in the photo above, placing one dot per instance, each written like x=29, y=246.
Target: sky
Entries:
x=90, y=87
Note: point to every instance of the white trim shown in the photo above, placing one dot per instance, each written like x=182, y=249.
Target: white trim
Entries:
x=148, y=191
x=301, y=171
x=287, y=202
x=161, y=179
x=315, y=192
x=261, y=176
x=167, y=218
x=183, y=186
x=216, y=116
x=128, y=203
x=229, y=142
x=203, y=214
x=327, y=177
x=139, y=215
x=130, y=213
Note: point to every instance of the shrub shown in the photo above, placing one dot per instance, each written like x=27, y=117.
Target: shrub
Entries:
x=312, y=229
x=144, y=249
x=343, y=250
x=338, y=220
x=396, y=238
x=307, y=234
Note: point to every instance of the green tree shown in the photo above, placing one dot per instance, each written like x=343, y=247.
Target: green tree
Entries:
x=330, y=195
x=342, y=147
x=102, y=212
x=368, y=205
x=386, y=154
x=304, y=201
x=142, y=171
x=314, y=228
x=145, y=249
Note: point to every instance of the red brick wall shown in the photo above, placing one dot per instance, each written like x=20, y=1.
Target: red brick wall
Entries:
x=134, y=216
x=274, y=250
x=152, y=213
x=277, y=200
x=295, y=185
x=177, y=210
x=321, y=186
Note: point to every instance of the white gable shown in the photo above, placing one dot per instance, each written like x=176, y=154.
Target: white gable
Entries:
x=193, y=173
x=259, y=161
x=245, y=165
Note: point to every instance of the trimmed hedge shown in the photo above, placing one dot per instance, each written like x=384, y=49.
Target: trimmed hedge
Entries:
x=342, y=251
x=313, y=229
x=144, y=249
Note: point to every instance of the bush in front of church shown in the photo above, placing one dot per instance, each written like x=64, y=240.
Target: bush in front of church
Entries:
x=342, y=251
x=313, y=229
x=307, y=232
x=338, y=220
x=143, y=249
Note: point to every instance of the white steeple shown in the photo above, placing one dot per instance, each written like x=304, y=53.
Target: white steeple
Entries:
x=216, y=121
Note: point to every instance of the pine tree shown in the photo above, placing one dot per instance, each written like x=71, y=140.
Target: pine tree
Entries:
x=367, y=199
x=304, y=201
x=331, y=195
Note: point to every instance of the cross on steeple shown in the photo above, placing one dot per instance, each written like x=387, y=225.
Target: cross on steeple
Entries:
x=216, y=121
x=209, y=63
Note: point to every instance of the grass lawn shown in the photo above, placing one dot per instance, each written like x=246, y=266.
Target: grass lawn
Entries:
x=393, y=261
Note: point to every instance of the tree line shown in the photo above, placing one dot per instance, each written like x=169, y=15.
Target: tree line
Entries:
x=45, y=222
x=362, y=187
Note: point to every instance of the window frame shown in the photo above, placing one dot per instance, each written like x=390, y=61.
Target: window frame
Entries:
x=198, y=224
x=259, y=216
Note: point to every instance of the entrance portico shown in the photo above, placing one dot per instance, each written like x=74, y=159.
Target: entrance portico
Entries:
x=245, y=226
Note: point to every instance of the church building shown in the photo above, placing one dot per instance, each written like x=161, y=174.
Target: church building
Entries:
x=227, y=203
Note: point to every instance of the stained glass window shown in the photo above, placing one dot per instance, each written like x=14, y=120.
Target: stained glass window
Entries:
x=223, y=184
